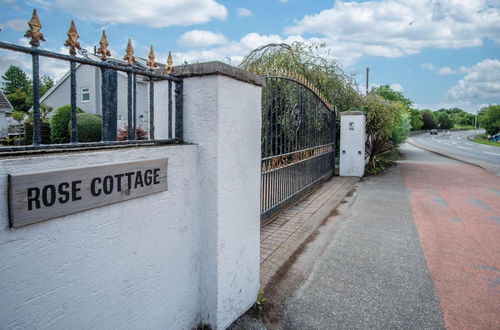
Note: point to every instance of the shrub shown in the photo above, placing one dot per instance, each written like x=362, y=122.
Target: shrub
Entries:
x=18, y=116
x=489, y=119
x=59, y=124
x=89, y=127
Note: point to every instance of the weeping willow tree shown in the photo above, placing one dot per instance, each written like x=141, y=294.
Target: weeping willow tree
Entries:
x=312, y=61
x=384, y=118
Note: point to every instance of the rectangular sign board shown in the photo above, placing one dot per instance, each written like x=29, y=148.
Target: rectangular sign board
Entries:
x=35, y=197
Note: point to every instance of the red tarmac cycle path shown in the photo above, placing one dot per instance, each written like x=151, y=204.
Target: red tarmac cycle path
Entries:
x=456, y=209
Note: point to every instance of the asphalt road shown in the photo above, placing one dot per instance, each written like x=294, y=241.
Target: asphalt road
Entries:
x=455, y=144
x=415, y=248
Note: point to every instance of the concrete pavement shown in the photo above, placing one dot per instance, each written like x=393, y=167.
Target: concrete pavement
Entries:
x=416, y=248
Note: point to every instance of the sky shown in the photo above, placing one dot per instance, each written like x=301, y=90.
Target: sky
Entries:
x=438, y=53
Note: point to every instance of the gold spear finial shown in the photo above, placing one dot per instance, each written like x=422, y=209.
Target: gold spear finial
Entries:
x=129, y=53
x=72, y=41
x=34, y=31
x=103, y=47
x=151, y=59
x=170, y=63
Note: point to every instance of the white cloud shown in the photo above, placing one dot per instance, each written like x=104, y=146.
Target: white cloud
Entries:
x=396, y=87
x=481, y=83
x=428, y=66
x=201, y=39
x=154, y=13
x=243, y=12
x=445, y=70
x=234, y=50
x=17, y=24
x=395, y=28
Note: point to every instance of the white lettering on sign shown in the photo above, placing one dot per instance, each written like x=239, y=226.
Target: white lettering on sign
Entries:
x=35, y=197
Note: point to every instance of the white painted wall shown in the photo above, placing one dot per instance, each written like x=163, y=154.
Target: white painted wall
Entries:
x=352, y=144
x=5, y=122
x=165, y=261
x=130, y=265
x=90, y=77
x=229, y=141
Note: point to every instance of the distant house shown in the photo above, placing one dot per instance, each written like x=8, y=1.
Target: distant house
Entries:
x=88, y=92
x=5, y=115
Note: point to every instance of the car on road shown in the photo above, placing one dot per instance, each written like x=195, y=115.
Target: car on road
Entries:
x=434, y=132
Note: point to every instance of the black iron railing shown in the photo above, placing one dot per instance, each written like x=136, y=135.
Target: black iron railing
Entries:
x=298, y=141
x=109, y=68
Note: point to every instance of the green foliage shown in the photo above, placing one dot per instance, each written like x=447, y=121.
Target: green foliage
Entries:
x=18, y=116
x=20, y=100
x=489, y=119
x=89, y=127
x=325, y=73
x=18, y=88
x=381, y=115
x=443, y=120
x=416, y=121
x=387, y=93
x=401, y=129
x=429, y=122
x=15, y=79
x=483, y=139
x=46, y=83
x=59, y=124
x=261, y=300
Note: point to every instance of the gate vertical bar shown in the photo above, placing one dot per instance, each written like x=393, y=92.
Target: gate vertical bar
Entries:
x=130, y=106
x=170, y=119
x=74, y=127
x=37, y=135
x=179, y=111
x=151, y=108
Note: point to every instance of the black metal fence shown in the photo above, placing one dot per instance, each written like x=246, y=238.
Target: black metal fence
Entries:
x=109, y=68
x=298, y=142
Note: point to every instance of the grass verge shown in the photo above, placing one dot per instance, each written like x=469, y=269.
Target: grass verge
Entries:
x=482, y=139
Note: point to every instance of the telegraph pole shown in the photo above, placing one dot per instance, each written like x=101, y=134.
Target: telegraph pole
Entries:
x=367, y=77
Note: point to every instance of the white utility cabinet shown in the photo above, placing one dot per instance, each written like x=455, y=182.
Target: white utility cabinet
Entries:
x=352, y=143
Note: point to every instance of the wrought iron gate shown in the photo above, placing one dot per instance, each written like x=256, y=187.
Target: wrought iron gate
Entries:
x=298, y=141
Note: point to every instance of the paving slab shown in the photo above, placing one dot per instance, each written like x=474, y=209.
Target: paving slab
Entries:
x=282, y=236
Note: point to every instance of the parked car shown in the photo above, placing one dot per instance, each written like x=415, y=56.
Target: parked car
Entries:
x=434, y=132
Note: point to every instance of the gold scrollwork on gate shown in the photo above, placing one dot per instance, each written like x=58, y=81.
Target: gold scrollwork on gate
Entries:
x=291, y=158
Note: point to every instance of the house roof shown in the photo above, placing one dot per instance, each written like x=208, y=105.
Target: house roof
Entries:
x=4, y=103
x=139, y=60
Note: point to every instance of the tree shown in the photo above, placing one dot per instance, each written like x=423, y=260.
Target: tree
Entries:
x=416, y=121
x=428, y=119
x=46, y=83
x=489, y=119
x=300, y=58
x=18, y=88
x=443, y=120
x=20, y=100
x=15, y=79
x=387, y=93
x=18, y=116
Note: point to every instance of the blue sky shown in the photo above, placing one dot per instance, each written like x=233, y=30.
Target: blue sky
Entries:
x=439, y=53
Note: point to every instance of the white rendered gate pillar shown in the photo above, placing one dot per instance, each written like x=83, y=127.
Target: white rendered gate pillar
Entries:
x=222, y=114
x=352, y=143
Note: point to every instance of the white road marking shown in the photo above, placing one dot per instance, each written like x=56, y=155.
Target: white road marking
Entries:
x=448, y=144
x=465, y=148
x=491, y=153
x=469, y=144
